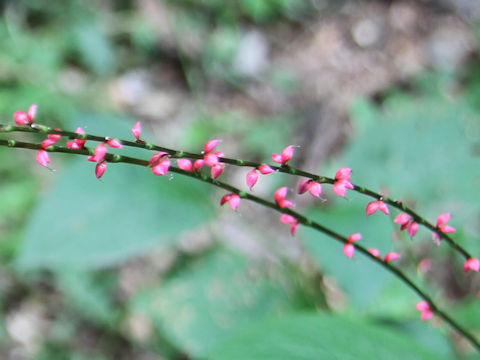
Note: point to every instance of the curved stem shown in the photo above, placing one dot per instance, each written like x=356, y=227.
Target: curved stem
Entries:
x=287, y=169
x=114, y=158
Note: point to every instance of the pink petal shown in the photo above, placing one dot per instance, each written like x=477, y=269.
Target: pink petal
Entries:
x=252, y=178
x=185, y=164
x=42, y=157
x=442, y=219
x=349, y=250
x=217, y=170
x=161, y=166
x=265, y=169
x=304, y=186
x=391, y=256
x=197, y=164
x=343, y=174
x=32, y=112
x=219, y=154
x=422, y=306
x=471, y=264
x=383, y=207
x=288, y=219
x=137, y=130
x=277, y=158
x=157, y=157
x=315, y=189
x=210, y=145
x=100, y=152
x=280, y=194
x=47, y=142
x=100, y=169
x=374, y=252
x=284, y=203
x=372, y=207
x=354, y=237
x=401, y=219
x=55, y=137
x=412, y=228
x=446, y=228
x=225, y=198
x=79, y=131
x=21, y=118
x=426, y=315
x=114, y=143
x=234, y=201
x=210, y=159
x=287, y=154
x=293, y=228
x=79, y=142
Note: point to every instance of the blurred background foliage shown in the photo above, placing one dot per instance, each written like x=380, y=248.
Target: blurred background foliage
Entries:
x=140, y=267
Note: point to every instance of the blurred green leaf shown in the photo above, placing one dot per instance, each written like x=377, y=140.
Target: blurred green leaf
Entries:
x=309, y=336
x=202, y=304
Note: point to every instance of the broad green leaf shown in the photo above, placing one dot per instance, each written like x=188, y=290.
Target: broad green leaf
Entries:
x=310, y=336
x=201, y=305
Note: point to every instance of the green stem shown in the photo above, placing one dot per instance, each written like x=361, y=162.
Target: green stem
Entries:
x=300, y=218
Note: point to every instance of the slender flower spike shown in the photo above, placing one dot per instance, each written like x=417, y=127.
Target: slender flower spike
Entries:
x=391, y=256
x=424, y=308
x=471, y=264
x=232, y=199
x=265, y=169
x=137, y=130
x=376, y=205
x=374, y=252
x=100, y=169
x=252, y=178
x=442, y=221
x=290, y=220
x=42, y=157
x=285, y=156
x=185, y=164
x=114, y=143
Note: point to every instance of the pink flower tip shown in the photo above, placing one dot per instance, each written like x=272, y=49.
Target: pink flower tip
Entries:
x=340, y=187
x=185, y=164
x=100, y=152
x=114, y=143
x=343, y=174
x=210, y=159
x=42, y=157
x=311, y=186
x=265, y=169
x=285, y=156
x=290, y=220
x=402, y=219
x=217, y=170
x=391, y=256
x=21, y=118
x=252, y=178
x=137, y=130
x=232, y=199
x=100, y=169
x=472, y=264
x=412, y=228
x=354, y=237
x=210, y=145
x=424, y=308
x=349, y=250
x=442, y=221
x=376, y=205
x=374, y=252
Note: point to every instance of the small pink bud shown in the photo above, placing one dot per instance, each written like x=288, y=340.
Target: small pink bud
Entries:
x=100, y=152
x=197, y=164
x=315, y=189
x=32, y=112
x=185, y=164
x=114, y=143
x=374, y=252
x=21, y=118
x=280, y=194
x=391, y=256
x=354, y=237
x=376, y=205
x=217, y=170
x=100, y=169
x=219, y=154
x=284, y=203
x=349, y=250
x=42, y=157
x=285, y=156
x=303, y=186
x=79, y=143
x=47, y=142
x=161, y=166
x=471, y=264
x=277, y=158
x=402, y=219
x=290, y=220
x=157, y=157
x=252, y=178
x=232, y=199
x=210, y=159
x=340, y=187
x=412, y=228
x=74, y=145
x=210, y=145
x=424, y=308
x=137, y=130
x=55, y=137
x=442, y=221
x=343, y=174
x=265, y=169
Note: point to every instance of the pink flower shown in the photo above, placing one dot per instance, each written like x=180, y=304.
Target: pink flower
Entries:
x=374, y=252
x=349, y=248
x=412, y=228
x=391, y=256
x=406, y=222
x=197, y=164
x=471, y=264
x=55, y=137
x=376, y=205
x=100, y=169
x=22, y=118
x=47, y=142
x=280, y=198
x=312, y=186
x=210, y=145
x=100, y=152
x=185, y=164
x=402, y=219
x=290, y=220
x=114, y=143
x=77, y=144
x=252, y=178
x=160, y=163
x=265, y=169
x=342, y=182
x=42, y=157
x=424, y=308
x=217, y=170
x=137, y=130
x=285, y=156
x=232, y=199
x=442, y=221
x=210, y=159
